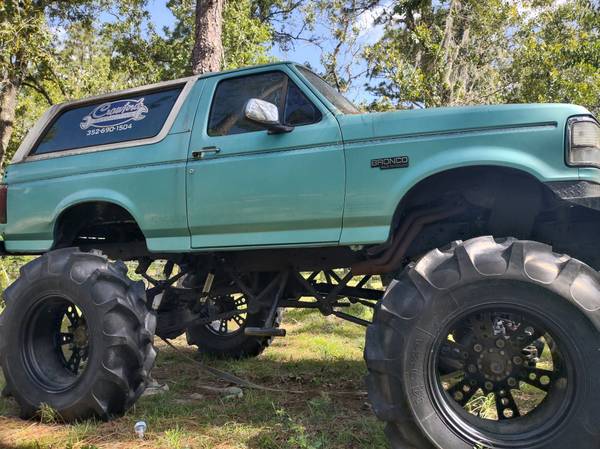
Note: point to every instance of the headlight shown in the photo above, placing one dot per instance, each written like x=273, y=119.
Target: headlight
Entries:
x=583, y=140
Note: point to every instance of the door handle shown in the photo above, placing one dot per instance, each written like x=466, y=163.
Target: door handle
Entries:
x=204, y=151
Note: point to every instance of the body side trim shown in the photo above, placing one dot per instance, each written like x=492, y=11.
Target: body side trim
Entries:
x=103, y=170
x=183, y=161
x=459, y=132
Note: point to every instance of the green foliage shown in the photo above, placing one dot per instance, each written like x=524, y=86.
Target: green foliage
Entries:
x=47, y=415
x=25, y=49
x=174, y=438
x=9, y=272
x=25, y=39
x=246, y=38
x=558, y=56
x=138, y=52
x=4, y=279
x=341, y=47
x=457, y=52
x=441, y=53
x=147, y=55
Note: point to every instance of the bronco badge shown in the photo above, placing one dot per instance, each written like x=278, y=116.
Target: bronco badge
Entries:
x=115, y=113
x=390, y=162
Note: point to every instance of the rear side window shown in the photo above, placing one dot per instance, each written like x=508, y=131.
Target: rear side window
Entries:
x=141, y=116
x=231, y=96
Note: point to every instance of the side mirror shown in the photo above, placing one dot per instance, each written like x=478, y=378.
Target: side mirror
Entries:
x=266, y=114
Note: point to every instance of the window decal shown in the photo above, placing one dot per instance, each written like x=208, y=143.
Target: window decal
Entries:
x=115, y=113
x=124, y=119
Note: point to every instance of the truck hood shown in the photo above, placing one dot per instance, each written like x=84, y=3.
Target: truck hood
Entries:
x=419, y=122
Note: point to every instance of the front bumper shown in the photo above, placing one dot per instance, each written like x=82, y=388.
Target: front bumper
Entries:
x=580, y=193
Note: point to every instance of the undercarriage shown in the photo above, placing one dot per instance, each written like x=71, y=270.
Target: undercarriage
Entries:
x=454, y=318
x=481, y=320
x=223, y=298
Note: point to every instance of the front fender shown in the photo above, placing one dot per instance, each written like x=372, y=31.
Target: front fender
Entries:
x=373, y=194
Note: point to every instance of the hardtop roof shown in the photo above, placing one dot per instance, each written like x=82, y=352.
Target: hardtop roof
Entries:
x=175, y=81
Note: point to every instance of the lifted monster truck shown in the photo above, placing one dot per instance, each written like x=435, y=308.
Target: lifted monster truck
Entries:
x=260, y=187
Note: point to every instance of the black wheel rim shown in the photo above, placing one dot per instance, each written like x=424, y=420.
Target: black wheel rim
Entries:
x=56, y=344
x=234, y=325
x=502, y=376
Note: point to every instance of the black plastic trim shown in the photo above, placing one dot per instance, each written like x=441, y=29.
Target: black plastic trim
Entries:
x=581, y=193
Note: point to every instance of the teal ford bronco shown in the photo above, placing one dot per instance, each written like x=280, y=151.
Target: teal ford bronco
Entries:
x=472, y=234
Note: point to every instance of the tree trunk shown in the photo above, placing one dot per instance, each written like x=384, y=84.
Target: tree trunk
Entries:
x=8, y=106
x=207, y=55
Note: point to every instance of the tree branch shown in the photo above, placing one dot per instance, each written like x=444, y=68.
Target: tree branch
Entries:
x=40, y=90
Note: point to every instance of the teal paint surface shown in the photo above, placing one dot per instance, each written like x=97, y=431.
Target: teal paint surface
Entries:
x=311, y=187
x=262, y=189
x=524, y=137
x=148, y=181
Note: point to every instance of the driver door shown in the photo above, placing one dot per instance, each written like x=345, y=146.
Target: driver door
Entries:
x=247, y=187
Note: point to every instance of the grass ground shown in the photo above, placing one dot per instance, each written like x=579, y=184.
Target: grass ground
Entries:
x=320, y=355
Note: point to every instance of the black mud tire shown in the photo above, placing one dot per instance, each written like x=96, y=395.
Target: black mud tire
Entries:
x=424, y=299
x=236, y=346
x=120, y=336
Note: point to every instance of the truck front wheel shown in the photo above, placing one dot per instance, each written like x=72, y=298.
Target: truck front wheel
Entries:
x=488, y=343
x=76, y=336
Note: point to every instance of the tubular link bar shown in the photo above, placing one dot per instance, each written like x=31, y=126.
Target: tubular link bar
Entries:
x=287, y=288
x=329, y=293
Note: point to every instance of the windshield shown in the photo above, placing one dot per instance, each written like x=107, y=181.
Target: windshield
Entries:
x=334, y=97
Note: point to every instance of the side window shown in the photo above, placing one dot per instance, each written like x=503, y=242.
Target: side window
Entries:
x=298, y=109
x=231, y=96
x=120, y=120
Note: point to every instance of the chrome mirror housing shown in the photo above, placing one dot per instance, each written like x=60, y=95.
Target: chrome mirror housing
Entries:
x=263, y=112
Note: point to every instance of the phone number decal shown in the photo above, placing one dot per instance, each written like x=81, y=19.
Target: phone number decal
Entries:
x=108, y=129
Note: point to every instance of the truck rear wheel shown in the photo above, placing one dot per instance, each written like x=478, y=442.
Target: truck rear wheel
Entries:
x=76, y=335
x=225, y=339
x=488, y=343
